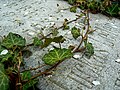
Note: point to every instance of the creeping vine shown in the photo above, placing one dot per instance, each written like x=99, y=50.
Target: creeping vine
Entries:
x=13, y=46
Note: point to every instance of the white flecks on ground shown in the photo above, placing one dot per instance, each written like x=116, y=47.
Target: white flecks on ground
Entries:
x=4, y=52
x=76, y=56
x=96, y=83
x=117, y=60
x=113, y=25
x=37, y=14
x=31, y=33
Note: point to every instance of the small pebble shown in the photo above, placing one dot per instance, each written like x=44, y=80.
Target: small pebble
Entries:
x=96, y=83
x=4, y=52
x=61, y=11
x=76, y=56
x=50, y=18
x=117, y=60
x=31, y=33
x=49, y=76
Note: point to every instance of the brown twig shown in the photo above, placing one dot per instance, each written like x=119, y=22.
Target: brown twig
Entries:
x=85, y=35
x=42, y=73
x=57, y=29
x=54, y=66
x=34, y=68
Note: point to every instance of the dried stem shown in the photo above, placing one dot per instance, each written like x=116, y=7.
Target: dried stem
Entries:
x=77, y=49
x=34, y=68
x=42, y=73
x=86, y=34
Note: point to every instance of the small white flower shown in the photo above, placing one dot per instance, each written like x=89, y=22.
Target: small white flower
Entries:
x=76, y=56
x=4, y=52
x=96, y=83
x=117, y=60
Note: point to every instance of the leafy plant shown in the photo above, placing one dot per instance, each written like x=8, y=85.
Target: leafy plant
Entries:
x=57, y=55
x=13, y=40
x=89, y=51
x=4, y=85
x=13, y=50
x=112, y=10
x=48, y=41
x=107, y=7
x=71, y=1
x=37, y=41
x=27, y=75
x=65, y=26
x=73, y=9
x=75, y=32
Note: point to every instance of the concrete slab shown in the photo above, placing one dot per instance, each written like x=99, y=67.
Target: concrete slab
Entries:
x=27, y=17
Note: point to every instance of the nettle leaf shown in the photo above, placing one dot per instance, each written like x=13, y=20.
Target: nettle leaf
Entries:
x=55, y=32
x=71, y=1
x=12, y=40
x=5, y=57
x=75, y=32
x=73, y=9
x=37, y=41
x=56, y=55
x=66, y=27
x=4, y=80
x=48, y=41
x=1, y=48
x=89, y=50
x=113, y=9
x=27, y=75
x=59, y=39
x=2, y=67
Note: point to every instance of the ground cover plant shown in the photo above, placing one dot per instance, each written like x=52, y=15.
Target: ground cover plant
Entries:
x=108, y=7
x=13, y=47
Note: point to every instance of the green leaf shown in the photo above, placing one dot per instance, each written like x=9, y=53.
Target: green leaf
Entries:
x=1, y=48
x=37, y=41
x=12, y=40
x=71, y=1
x=56, y=55
x=66, y=27
x=73, y=9
x=89, y=50
x=4, y=80
x=5, y=57
x=113, y=9
x=75, y=32
x=2, y=67
x=59, y=39
x=48, y=41
x=55, y=32
x=27, y=75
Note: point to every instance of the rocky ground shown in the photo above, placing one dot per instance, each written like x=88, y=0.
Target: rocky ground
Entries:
x=100, y=72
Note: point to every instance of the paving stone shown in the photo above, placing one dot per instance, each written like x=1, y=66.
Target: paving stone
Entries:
x=29, y=16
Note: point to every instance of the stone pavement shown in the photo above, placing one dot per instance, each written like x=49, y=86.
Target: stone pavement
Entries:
x=27, y=17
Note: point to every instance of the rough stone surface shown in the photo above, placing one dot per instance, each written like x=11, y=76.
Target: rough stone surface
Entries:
x=27, y=17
